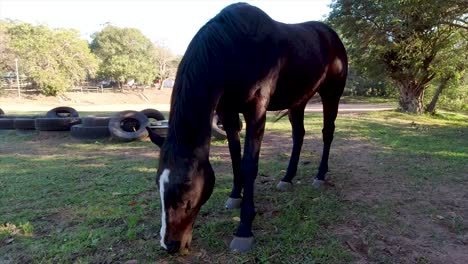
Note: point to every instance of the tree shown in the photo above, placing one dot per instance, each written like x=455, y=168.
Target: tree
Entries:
x=54, y=59
x=7, y=55
x=166, y=62
x=405, y=36
x=450, y=65
x=125, y=54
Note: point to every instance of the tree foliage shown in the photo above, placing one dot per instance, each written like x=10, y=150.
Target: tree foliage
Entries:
x=451, y=78
x=125, y=54
x=166, y=62
x=54, y=59
x=406, y=37
x=7, y=55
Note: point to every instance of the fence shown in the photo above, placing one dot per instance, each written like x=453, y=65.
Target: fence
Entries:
x=12, y=85
x=25, y=86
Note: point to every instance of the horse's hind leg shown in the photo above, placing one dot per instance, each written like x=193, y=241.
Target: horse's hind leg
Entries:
x=296, y=118
x=330, y=103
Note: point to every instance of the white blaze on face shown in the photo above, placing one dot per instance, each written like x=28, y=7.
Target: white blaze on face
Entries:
x=164, y=179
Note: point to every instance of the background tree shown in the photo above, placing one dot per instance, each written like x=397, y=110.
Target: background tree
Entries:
x=7, y=55
x=451, y=65
x=405, y=36
x=54, y=60
x=166, y=62
x=125, y=54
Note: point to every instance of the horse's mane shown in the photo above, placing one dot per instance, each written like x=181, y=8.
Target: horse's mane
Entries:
x=208, y=64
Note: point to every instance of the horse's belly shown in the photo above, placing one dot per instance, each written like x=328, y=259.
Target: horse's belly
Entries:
x=288, y=98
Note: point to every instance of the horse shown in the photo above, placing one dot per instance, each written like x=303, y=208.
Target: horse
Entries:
x=242, y=62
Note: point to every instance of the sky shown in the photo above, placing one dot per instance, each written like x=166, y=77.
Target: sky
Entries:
x=169, y=23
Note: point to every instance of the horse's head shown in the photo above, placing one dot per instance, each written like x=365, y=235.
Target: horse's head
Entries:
x=184, y=186
x=186, y=181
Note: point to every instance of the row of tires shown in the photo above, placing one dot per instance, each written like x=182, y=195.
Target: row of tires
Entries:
x=38, y=123
x=125, y=126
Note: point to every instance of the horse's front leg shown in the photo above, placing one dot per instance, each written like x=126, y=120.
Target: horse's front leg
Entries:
x=232, y=126
x=255, y=127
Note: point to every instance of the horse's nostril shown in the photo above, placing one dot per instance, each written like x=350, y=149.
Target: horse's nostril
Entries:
x=173, y=246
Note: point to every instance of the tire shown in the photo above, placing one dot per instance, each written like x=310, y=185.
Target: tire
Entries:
x=217, y=130
x=7, y=123
x=84, y=132
x=20, y=116
x=56, y=124
x=95, y=121
x=24, y=124
x=128, y=125
x=61, y=112
x=153, y=114
x=161, y=128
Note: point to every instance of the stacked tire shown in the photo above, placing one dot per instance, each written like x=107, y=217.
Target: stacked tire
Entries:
x=217, y=129
x=91, y=127
x=128, y=126
x=25, y=125
x=20, y=123
x=123, y=126
x=58, y=119
x=157, y=122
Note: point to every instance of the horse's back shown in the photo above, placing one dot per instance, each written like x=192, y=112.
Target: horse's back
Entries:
x=254, y=45
x=313, y=50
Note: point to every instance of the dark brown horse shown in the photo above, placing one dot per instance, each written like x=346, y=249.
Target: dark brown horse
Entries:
x=242, y=61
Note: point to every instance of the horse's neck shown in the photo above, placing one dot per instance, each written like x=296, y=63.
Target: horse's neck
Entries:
x=190, y=121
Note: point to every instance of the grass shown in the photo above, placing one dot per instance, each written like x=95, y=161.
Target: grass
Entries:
x=69, y=201
x=368, y=100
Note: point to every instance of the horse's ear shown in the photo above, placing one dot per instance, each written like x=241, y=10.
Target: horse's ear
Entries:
x=155, y=138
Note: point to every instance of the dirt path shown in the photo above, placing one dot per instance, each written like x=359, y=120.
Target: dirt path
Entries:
x=131, y=100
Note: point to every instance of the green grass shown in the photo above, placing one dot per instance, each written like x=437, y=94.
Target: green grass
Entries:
x=368, y=100
x=69, y=201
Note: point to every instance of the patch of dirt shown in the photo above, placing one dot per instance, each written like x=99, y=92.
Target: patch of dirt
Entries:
x=404, y=221
x=90, y=101
x=133, y=100
x=390, y=218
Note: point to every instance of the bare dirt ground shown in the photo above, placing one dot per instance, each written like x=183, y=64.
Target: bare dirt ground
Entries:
x=129, y=100
x=90, y=101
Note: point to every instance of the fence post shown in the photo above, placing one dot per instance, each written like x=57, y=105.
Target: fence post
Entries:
x=17, y=78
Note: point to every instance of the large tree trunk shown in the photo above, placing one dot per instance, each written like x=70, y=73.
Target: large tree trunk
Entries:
x=431, y=107
x=411, y=98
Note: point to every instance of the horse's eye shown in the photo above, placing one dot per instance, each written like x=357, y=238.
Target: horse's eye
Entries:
x=189, y=206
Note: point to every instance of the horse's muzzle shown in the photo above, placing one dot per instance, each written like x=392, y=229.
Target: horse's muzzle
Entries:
x=173, y=247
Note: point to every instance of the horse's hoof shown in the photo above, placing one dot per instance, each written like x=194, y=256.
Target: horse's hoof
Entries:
x=284, y=186
x=233, y=203
x=241, y=244
x=318, y=184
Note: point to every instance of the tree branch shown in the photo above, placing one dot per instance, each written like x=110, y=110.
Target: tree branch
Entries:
x=454, y=25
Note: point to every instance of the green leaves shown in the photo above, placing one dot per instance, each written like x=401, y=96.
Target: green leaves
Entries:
x=408, y=37
x=125, y=54
x=54, y=59
x=57, y=59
